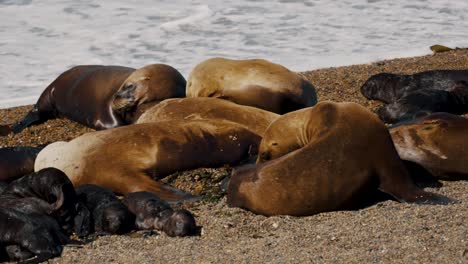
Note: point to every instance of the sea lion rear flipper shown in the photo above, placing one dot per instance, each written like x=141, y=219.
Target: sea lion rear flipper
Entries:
x=165, y=192
x=32, y=118
x=417, y=195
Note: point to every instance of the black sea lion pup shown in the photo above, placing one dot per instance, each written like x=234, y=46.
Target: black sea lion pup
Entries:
x=153, y=213
x=109, y=215
x=328, y=157
x=103, y=97
x=256, y=82
x=35, y=233
x=437, y=142
x=152, y=151
x=16, y=162
x=453, y=101
x=388, y=87
x=52, y=186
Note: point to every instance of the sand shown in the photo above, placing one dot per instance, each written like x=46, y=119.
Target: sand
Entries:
x=386, y=232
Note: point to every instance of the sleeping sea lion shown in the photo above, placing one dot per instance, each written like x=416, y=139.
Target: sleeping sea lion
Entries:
x=257, y=83
x=16, y=162
x=454, y=101
x=389, y=87
x=437, y=142
x=255, y=119
x=104, y=97
x=129, y=159
x=153, y=213
x=328, y=157
x=108, y=214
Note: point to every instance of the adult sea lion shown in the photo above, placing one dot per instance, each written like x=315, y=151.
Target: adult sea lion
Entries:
x=389, y=87
x=255, y=119
x=103, y=97
x=256, y=82
x=129, y=159
x=153, y=213
x=16, y=162
x=108, y=214
x=325, y=158
x=429, y=101
x=437, y=142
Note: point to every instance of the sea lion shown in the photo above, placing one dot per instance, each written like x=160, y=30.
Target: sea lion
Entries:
x=108, y=214
x=454, y=101
x=103, y=97
x=255, y=119
x=35, y=233
x=256, y=82
x=389, y=87
x=328, y=157
x=16, y=162
x=52, y=186
x=437, y=142
x=153, y=213
x=128, y=159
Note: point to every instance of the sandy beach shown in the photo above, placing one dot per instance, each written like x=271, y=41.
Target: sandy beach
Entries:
x=386, y=232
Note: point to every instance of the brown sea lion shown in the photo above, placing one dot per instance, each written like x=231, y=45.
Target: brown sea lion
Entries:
x=256, y=82
x=16, y=162
x=255, y=119
x=437, y=142
x=389, y=87
x=108, y=214
x=328, y=157
x=153, y=213
x=104, y=97
x=453, y=101
x=129, y=159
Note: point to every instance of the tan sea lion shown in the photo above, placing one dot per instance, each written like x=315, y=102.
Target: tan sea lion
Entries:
x=438, y=142
x=255, y=119
x=328, y=157
x=104, y=97
x=128, y=159
x=256, y=82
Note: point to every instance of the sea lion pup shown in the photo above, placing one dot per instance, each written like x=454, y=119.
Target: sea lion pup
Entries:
x=153, y=213
x=389, y=87
x=103, y=97
x=52, y=186
x=328, y=157
x=108, y=214
x=129, y=159
x=255, y=119
x=35, y=233
x=256, y=82
x=437, y=142
x=454, y=101
x=16, y=162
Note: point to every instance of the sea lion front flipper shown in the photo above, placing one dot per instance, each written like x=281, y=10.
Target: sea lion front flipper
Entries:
x=5, y=130
x=32, y=118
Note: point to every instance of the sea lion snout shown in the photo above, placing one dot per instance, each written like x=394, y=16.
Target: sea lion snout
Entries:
x=124, y=97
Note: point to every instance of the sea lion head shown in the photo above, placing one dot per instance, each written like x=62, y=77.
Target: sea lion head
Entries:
x=154, y=82
x=117, y=220
x=381, y=87
x=179, y=223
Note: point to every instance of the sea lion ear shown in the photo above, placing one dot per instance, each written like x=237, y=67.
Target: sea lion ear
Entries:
x=60, y=198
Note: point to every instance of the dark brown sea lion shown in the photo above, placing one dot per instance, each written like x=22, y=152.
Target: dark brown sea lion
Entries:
x=16, y=162
x=108, y=214
x=388, y=87
x=104, y=97
x=437, y=142
x=257, y=83
x=454, y=101
x=153, y=213
x=52, y=186
x=328, y=157
x=129, y=159
x=35, y=233
x=255, y=119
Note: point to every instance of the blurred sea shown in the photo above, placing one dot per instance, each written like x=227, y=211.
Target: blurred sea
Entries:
x=41, y=39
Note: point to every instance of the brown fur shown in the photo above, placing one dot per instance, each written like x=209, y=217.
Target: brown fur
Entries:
x=255, y=119
x=437, y=142
x=328, y=157
x=128, y=159
x=256, y=82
